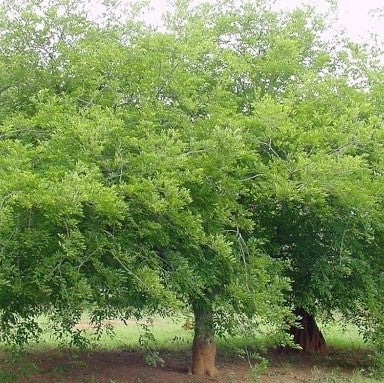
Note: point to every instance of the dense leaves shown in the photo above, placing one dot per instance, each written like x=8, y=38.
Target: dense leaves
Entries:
x=231, y=160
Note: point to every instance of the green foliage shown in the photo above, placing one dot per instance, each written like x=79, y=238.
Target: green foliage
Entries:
x=15, y=366
x=211, y=162
x=257, y=369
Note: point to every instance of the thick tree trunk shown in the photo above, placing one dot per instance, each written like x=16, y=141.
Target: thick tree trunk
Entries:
x=309, y=336
x=204, y=347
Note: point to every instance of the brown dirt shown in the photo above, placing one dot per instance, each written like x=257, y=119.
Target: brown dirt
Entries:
x=130, y=367
x=111, y=322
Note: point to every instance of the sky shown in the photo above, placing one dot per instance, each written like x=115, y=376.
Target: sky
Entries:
x=353, y=15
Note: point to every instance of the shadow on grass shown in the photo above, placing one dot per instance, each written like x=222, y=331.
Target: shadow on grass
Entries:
x=120, y=359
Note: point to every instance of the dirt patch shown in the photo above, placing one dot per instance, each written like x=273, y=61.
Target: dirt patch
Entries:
x=105, y=323
x=130, y=367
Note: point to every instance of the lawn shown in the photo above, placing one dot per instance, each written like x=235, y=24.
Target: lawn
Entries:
x=131, y=356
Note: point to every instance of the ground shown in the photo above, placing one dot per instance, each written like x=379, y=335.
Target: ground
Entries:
x=346, y=361
x=130, y=367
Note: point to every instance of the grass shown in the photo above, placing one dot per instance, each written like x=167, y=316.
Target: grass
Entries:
x=348, y=351
x=321, y=376
x=172, y=334
x=344, y=336
x=168, y=334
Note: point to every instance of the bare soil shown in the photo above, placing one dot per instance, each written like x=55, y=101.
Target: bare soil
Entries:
x=126, y=366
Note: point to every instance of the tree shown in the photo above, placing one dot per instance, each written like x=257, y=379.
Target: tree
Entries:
x=324, y=212
x=127, y=195
x=306, y=109
x=167, y=170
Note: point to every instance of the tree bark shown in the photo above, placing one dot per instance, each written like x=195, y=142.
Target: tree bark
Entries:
x=204, y=347
x=309, y=336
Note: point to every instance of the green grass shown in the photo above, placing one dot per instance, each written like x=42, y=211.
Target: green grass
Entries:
x=321, y=376
x=170, y=334
x=344, y=337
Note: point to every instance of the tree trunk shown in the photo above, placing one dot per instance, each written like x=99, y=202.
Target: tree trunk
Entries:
x=204, y=347
x=309, y=336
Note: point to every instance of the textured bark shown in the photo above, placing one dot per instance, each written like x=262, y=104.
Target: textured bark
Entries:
x=204, y=347
x=309, y=337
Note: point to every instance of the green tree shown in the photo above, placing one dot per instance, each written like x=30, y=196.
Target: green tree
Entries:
x=149, y=171
x=120, y=193
x=323, y=148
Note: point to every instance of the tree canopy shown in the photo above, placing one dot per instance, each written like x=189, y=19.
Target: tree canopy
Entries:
x=228, y=164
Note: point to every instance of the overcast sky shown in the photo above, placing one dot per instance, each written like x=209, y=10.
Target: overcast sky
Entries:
x=353, y=15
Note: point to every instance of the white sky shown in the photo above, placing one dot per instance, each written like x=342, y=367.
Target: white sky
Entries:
x=353, y=15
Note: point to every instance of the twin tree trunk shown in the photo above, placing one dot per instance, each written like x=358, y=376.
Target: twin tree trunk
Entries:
x=204, y=347
x=309, y=336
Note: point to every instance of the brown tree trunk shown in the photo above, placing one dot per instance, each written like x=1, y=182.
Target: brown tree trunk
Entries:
x=204, y=347
x=309, y=336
